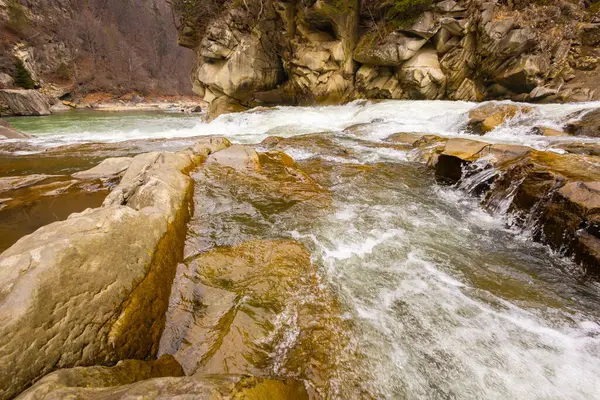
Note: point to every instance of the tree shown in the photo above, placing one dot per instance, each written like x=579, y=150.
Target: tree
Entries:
x=22, y=77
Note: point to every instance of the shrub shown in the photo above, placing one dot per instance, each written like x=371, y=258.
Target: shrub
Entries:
x=17, y=19
x=22, y=77
x=63, y=71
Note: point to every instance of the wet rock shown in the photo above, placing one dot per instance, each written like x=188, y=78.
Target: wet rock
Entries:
x=81, y=382
x=566, y=222
x=25, y=102
x=588, y=125
x=489, y=116
x=224, y=105
x=549, y=132
x=114, y=266
x=456, y=155
x=17, y=182
x=504, y=153
x=8, y=132
x=108, y=168
x=202, y=387
x=237, y=157
x=591, y=149
x=224, y=319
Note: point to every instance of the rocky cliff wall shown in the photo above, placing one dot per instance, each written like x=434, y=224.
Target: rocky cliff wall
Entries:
x=261, y=52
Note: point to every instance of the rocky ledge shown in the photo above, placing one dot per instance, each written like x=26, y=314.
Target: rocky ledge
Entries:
x=556, y=196
x=94, y=289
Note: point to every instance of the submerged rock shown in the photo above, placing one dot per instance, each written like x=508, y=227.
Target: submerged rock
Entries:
x=237, y=157
x=8, y=132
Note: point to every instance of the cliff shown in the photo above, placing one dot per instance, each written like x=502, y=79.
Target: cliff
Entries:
x=263, y=52
x=70, y=47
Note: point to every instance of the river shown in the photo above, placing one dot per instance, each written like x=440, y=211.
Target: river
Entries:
x=439, y=299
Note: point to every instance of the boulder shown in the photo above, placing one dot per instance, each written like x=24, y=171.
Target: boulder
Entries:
x=6, y=80
x=224, y=105
x=81, y=382
x=548, y=132
x=8, y=132
x=108, y=168
x=237, y=157
x=113, y=267
x=225, y=305
x=456, y=155
x=588, y=125
x=487, y=117
x=392, y=51
x=378, y=82
x=422, y=76
x=524, y=75
x=226, y=386
x=25, y=102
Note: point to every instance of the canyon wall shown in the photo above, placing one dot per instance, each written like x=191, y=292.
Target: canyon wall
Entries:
x=264, y=52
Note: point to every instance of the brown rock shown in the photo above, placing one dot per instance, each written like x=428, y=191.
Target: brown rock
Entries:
x=488, y=117
x=25, y=102
x=549, y=132
x=237, y=157
x=81, y=382
x=108, y=168
x=588, y=125
x=9, y=132
x=456, y=155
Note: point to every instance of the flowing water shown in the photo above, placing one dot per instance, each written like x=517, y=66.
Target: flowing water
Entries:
x=437, y=298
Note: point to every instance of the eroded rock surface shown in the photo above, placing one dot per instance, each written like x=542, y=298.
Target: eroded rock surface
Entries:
x=114, y=266
x=25, y=102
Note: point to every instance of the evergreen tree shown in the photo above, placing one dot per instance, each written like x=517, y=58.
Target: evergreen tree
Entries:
x=22, y=77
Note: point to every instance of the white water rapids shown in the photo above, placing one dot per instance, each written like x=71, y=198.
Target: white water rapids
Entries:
x=446, y=302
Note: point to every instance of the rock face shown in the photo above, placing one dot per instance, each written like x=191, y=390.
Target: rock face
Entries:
x=25, y=102
x=114, y=266
x=488, y=117
x=331, y=51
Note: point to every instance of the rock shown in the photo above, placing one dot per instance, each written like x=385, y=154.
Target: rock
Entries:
x=224, y=386
x=591, y=149
x=392, y=51
x=456, y=155
x=108, y=168
x=6, y=80
x=423, y=76
x=486, y=118
x=541, y=92
x=242, y=289
x=114, y=266
x=524, y=75
x=590, y=35
x=17, y=182
x=8, y=132
x=59, y=107
x=425, y=26
x=25, y=102
x=80, y=382
x=549, y=132
x=378, y=83
x=588, y=125
x=224, y=105
x=237, y=157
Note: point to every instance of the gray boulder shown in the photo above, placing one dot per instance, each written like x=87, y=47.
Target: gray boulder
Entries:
x=25, y=102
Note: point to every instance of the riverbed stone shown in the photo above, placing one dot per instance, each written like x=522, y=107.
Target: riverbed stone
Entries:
x=225, y=386
x=486, y=118
x=108, y=168
x=237, y=157
x=588, y=125
x=114, y=266
x=8, y=132
x=81, y=382
x=456, y=155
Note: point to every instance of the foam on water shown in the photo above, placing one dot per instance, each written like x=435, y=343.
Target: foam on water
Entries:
x=445, y=118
